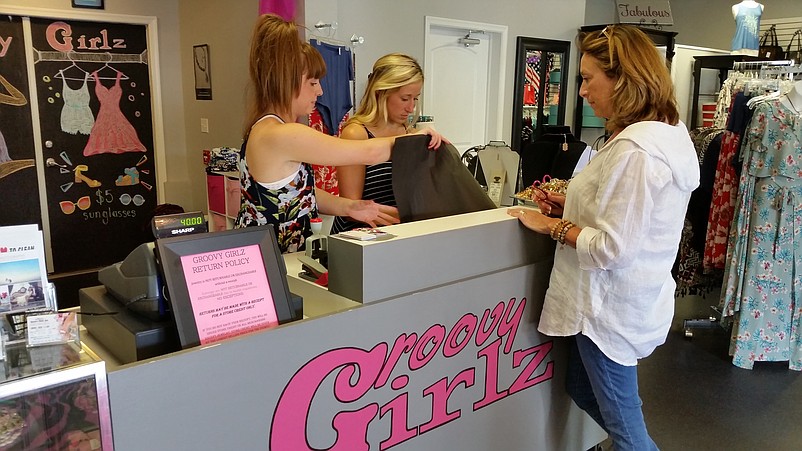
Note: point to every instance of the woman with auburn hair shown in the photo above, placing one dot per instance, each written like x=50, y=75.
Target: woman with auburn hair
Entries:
x=391, y=97
x=618, y=228
x=277, y=181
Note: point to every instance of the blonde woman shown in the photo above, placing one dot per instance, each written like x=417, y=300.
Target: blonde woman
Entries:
x=390, y=100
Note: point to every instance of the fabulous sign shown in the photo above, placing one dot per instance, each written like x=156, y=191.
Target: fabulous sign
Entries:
x=645, y=12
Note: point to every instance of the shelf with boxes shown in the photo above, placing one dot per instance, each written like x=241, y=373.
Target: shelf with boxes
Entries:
x=223, y=199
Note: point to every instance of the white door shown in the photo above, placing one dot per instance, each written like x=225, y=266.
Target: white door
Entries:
x=459, y=84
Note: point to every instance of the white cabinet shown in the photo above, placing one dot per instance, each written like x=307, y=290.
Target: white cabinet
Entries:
x=223, y=199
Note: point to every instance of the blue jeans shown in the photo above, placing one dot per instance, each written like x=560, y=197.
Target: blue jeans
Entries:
x=608, y=392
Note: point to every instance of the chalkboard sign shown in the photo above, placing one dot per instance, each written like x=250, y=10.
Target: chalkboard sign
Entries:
x=93, y=88
x=19, y=188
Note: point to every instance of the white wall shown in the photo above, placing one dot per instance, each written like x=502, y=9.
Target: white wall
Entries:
x=391, y=26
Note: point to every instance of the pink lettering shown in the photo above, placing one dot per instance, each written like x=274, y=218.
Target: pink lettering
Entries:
x=509, y=325
x=525, y=379
x=400, y=431
x=491, y=394
x=4, y=45
x=420, y=356
x=403, y=344
x=356, y=372
x=52, y=36
x=441, y=392
x=466, y=324
x=59, y=37
x=482, y=333
x=289, y=419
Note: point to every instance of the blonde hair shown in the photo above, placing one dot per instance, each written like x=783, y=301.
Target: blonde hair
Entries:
x=643, y=90
x=278, y=61
x=390, y=73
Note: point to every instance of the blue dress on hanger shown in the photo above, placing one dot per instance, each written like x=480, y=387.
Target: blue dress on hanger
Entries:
x=747, y=27
x=762, y=288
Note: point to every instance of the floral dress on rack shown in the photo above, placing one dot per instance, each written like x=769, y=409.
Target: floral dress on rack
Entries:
x=763, y=280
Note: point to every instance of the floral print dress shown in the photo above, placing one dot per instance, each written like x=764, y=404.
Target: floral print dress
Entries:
x=762, y=289
x=288, y=209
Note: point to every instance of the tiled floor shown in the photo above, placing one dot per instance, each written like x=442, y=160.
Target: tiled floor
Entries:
x=695, y=399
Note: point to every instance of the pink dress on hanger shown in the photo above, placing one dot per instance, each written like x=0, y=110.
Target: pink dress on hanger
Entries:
x=112, y=132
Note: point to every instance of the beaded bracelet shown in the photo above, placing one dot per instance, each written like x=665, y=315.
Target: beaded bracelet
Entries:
x=553, y=232
x=560, y=229
x=564, y=231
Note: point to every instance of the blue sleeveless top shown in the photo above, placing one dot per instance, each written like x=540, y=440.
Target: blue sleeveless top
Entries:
x=747, y=27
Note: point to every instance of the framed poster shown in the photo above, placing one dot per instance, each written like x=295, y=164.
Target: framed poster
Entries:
x=94, y=4
x=203, y=75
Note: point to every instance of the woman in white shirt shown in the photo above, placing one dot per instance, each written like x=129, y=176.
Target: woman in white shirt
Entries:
x=618, y=229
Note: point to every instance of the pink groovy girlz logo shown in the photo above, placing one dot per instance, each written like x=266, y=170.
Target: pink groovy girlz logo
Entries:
x=357, y=372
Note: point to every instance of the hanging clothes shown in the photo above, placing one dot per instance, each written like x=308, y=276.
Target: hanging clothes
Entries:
x=725, y=185
x=325, y=176
x=763, y=281
x=336, y=99
x=112, y=133
x=76, y=116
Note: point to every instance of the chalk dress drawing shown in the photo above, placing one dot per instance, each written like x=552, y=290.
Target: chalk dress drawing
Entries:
x=112, y=132
x=76, y=116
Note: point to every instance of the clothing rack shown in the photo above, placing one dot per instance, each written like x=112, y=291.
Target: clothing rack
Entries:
x=762, y=72
x=756, y=65
x=92, y=57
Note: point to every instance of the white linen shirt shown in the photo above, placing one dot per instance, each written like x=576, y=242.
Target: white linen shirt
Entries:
x=630, y=202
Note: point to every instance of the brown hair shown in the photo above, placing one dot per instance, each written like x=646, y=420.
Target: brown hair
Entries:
x=390, y=73
x=643, y=91
x=278, y=60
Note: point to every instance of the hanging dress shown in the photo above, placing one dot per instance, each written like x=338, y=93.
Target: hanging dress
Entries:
x=76, y=116
x=112, y=133
x=763, y=278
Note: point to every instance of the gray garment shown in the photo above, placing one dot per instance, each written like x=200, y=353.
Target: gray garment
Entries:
x=431, y=184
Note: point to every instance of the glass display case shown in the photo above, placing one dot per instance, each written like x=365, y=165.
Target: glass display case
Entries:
x=54, y=398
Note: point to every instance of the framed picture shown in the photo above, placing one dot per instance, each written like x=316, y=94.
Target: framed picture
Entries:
x=203, y=74
x=95, y=4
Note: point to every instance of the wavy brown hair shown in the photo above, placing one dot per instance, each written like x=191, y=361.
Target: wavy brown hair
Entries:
x=278, y=61
x=643, y=91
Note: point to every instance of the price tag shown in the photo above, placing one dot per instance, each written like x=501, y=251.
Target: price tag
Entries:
x=496, y=187
x=52, y=328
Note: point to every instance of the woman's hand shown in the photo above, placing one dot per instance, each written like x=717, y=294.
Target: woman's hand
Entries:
x=373, y=214
x=553, y=205
x=532, y=219
x=435, y=137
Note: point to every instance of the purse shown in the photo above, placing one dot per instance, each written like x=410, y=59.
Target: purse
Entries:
x=795, y=54
x=769, y=46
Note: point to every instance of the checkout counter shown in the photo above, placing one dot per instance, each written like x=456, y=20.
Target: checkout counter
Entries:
x=426, y=341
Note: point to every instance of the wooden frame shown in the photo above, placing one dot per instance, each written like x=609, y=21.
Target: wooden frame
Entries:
x=93, y=4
